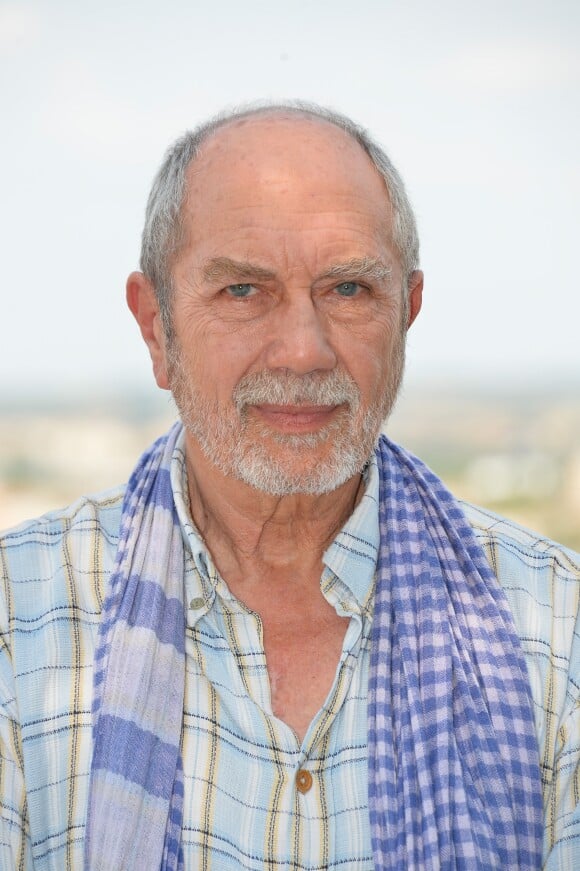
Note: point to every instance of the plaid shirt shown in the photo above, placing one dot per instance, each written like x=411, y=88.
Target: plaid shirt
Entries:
x=255, y=797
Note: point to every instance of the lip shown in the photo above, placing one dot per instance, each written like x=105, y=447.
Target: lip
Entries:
x=296, y=418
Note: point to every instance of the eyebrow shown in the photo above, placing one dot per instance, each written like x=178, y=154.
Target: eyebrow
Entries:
x=371, y=268
x=224, y=268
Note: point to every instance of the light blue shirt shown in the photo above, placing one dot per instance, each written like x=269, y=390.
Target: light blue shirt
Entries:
x=255, y=796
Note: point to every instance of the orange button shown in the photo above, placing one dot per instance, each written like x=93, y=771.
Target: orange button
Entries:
x=303, y=780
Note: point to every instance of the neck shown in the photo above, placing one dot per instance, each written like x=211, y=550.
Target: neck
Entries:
x=251, y=534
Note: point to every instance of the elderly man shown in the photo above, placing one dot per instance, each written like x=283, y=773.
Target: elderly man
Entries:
x=284, y=645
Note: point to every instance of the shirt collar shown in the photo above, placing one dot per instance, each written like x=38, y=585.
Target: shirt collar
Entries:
x=200, y=584
x=178, y=476
x=352, y=556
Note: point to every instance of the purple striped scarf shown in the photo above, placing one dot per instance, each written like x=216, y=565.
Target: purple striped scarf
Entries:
x=136, y=788
x=453, y=759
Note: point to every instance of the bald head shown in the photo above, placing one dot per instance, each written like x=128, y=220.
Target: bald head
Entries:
x=281, y=133
x=286, y=146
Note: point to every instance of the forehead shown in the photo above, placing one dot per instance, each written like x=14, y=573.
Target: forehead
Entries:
x=303, y=163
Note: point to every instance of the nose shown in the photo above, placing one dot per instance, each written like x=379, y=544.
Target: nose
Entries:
x=299, y=340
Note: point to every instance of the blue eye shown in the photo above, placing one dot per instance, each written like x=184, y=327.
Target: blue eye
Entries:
x=347, y=288
x=240, y=291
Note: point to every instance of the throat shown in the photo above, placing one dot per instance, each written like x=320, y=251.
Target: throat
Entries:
x=302, y=657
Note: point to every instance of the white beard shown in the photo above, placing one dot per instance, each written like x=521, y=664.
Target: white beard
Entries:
x=239, y=447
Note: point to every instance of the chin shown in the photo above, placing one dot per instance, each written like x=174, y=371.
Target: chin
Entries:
x=307, y=471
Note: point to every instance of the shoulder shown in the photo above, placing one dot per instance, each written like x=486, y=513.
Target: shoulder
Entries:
x=102, y=505
x=541, y=580
x=63, y=553
x=515, y=552
x=53, y=576
x=100, y=512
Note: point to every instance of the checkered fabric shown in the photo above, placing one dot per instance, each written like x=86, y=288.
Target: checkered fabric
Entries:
x=453, y=756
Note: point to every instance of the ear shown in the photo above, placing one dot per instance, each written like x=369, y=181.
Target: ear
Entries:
x=142, y=301
x=415, y=292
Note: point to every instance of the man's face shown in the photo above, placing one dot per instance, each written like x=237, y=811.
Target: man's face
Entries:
x=288, y=312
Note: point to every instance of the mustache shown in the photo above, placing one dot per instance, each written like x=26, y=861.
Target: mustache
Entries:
x=286, y=388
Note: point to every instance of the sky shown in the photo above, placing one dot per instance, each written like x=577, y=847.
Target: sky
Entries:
x=476, y=103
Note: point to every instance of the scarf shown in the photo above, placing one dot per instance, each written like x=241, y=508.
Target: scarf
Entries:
x=453, y=757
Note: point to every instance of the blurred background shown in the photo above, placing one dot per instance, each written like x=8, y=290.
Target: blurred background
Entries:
x=477, y=105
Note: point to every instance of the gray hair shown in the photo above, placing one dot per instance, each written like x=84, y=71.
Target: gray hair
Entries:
x=163, y=233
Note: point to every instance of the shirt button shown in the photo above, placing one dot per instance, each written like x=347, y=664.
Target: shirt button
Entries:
x=196, y=603
x=303, y=780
